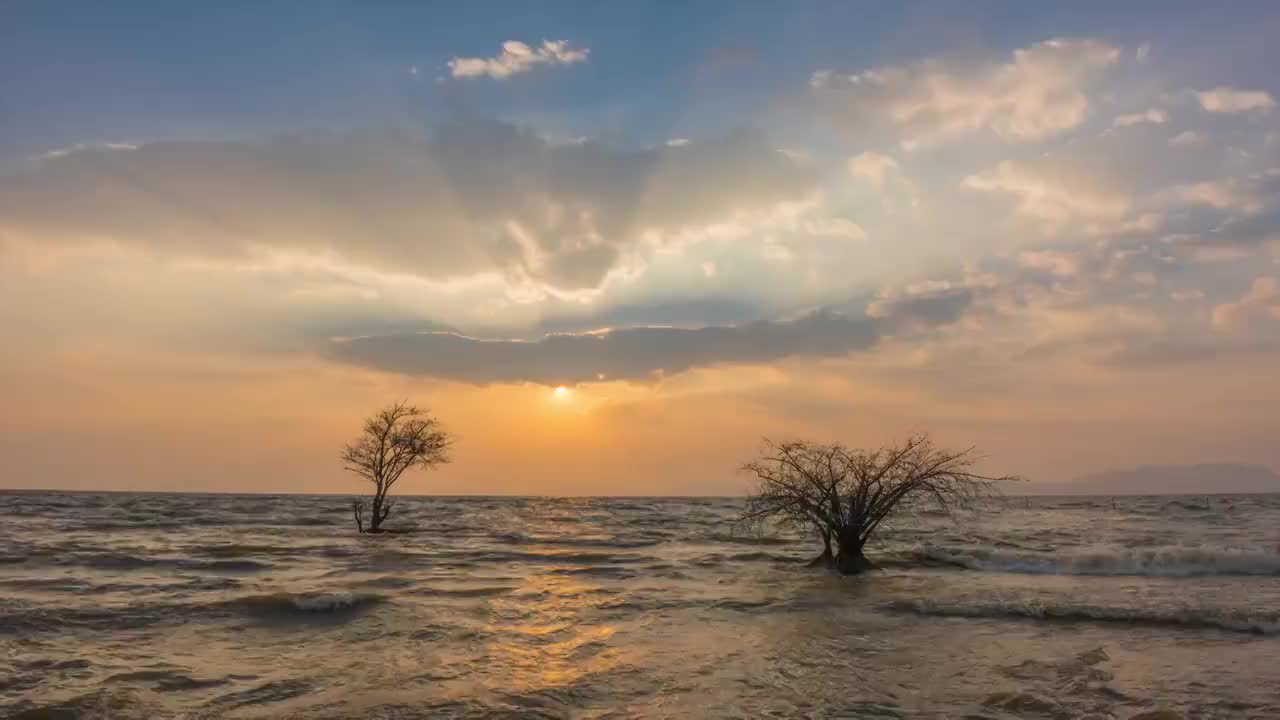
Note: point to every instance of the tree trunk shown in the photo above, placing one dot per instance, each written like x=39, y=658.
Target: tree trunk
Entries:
x=827, y=558
x=375, y=523
x=356, y=510
x=381, y=510
x=850, y=559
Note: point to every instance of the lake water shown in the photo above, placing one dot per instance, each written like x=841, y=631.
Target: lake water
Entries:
x=153, y=605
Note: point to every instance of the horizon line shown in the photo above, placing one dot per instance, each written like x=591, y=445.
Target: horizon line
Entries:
x=17, y=491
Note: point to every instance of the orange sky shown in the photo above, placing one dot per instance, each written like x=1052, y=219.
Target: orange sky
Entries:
x=1064, y=250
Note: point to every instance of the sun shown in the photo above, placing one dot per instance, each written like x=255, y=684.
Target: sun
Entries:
x=561, y=393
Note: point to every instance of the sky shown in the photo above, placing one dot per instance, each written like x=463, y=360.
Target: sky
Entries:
x=229, y=232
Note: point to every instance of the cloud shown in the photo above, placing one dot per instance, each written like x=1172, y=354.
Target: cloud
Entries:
x=645, y=353
x=1261, y=303
x=833, y=227
x=1053, y=198
x=884, y=173
x=631, y=354
x=1233, y=100
x=1237, y=235
x=873, y=167
x=1152, y=115
x=473, y=198
x=1037, y=93
x=1111, y=183
x=924, y=306
x=1055, y=262
x=1228, y=194
x=80, y=147
x=517, y=57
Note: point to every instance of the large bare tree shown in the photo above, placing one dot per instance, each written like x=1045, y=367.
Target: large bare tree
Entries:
x=394, y=440
x=845, y=495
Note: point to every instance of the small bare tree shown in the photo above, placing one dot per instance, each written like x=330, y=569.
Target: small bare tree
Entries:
x=845, y=495
x=395, y=439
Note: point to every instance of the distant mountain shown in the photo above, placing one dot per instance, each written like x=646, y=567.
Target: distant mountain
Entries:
x=1207, y=479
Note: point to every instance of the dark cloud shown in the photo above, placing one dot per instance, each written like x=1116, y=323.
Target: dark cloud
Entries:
x=686, y=313
x=637, y=353
x=642, y=353
x=924, y=309
x=472, y=197
x=1241, y=233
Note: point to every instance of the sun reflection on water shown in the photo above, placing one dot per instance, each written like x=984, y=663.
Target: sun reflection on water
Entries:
x=547, y=633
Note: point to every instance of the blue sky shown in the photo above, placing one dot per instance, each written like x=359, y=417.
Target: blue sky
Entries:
x=76, y=73
x=1052, y=230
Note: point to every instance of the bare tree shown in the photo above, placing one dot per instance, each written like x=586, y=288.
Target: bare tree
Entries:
x=395, y=439
x=845, y=495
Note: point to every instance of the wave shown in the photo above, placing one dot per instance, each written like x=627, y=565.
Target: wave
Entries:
x=605, y=571
x=517, y=538
x=21, y=618
x=1070, y=612
x=750, y=539
x=79, y=585
x=758, y=556
x=168, y=680
x=571, y=557
x=1154, y=562
x=224, y=565
x=296, y=603
x=470, y=592
x=17, y=617
x=115, y=703
x=75, y=555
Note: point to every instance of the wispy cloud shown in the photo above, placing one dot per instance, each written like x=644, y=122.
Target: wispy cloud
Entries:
x=1261, y=303
x=1055, y=262
x=1053, y=199
x=1230, y=194
x=83, y=147
x=1153, y=115
x=1037, y=93
x=1234, y=100
x=873, y=166
x=517, y=57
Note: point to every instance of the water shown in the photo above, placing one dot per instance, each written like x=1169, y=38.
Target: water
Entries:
x=147, y=605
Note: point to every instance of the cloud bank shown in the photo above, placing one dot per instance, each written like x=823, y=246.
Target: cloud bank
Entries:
x=649, y=353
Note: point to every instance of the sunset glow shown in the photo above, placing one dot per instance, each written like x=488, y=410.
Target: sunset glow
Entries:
x=643, y=359
x=839, y=226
